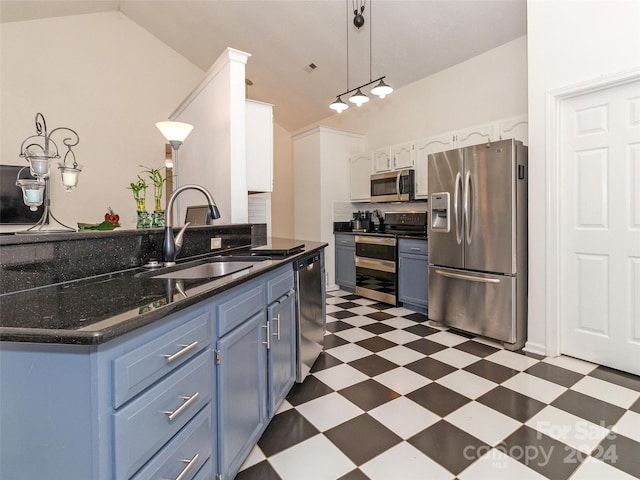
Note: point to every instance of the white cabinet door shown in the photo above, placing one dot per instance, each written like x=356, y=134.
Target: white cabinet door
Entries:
x=422, y=149
x=360, y=180
x=259, y=145
x=515, y=127
x=402, y=156
x=382, y=160
x=475, y=135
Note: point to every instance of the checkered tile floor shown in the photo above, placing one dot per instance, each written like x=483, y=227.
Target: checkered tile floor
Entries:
x=392, y=398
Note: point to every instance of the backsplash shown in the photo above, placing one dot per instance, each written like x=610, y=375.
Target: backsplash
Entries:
x=343, y=211
x=31, y=261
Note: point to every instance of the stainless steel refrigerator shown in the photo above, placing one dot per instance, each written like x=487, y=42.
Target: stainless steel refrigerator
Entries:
x=478, y=240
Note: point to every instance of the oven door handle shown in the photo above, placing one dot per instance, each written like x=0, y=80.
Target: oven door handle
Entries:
x=373, y=264
x=371, y=240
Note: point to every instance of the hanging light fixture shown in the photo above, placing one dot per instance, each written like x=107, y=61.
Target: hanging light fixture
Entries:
x=381, y=89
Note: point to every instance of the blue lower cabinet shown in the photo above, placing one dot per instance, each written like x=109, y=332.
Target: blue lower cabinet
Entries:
x=345, y=258
x=413, y=268
x=282, y=352
x=241, y=359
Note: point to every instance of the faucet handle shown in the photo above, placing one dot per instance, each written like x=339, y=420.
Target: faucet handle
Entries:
x=179, y=236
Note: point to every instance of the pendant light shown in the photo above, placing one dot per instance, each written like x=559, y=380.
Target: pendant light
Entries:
x=381, y=89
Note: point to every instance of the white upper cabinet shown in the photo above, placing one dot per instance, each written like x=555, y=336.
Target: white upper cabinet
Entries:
x=475, y=135
x=422, y=149
x=514, y=127
x=360, y=176
x=402, y=156
x=382, y=161
x=259, y=138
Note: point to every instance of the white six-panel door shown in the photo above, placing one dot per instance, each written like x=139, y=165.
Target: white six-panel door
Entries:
x=599, y=256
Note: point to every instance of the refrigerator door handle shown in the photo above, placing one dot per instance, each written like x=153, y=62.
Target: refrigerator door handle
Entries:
x=461, y=276
x=456, y=212
x=468, y=210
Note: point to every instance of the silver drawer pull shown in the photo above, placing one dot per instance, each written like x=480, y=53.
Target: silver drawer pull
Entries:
x=268, y=341
x=187, y=401
x=277, y=332
x=189, y=465
x=184, y=349
x=417, y=249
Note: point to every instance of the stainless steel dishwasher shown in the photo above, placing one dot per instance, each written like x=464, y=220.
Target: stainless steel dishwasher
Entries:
x=309, y=313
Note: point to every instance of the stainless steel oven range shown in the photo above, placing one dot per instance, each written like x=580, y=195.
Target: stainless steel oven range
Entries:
x=376, y=268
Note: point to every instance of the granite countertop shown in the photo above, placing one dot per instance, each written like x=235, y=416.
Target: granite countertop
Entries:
x=96, y=309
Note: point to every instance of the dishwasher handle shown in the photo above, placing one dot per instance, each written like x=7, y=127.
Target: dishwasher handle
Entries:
x=303, y=263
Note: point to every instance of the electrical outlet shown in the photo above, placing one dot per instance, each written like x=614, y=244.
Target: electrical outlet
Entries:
x=216, y=243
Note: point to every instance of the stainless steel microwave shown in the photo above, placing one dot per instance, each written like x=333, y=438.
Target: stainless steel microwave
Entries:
x=395, y=186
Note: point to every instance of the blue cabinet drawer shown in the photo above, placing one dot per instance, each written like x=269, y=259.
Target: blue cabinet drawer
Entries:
x=280, y=285
x=237, y=305
x=416, y=247
x=345, y=240
x=185, y=454
x=148, y=422
x=143, y=366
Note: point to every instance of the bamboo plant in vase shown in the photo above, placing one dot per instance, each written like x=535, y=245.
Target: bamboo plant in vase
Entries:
x=139, y=190
x=158, y=215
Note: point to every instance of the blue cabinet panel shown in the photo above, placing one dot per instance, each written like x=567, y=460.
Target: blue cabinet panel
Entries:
x=282, y=351
x=235, y=306
x=413, y=271
x=185, y=454
x=141, y=367
x=345, y=268
x=242, y=392
x=149, y=421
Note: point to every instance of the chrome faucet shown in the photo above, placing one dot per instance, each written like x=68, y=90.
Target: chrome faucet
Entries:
x=171, y=246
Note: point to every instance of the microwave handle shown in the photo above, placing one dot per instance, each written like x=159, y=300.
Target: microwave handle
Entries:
x=398, y=186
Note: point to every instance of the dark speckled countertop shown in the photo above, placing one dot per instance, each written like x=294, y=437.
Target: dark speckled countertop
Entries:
x=99, y=308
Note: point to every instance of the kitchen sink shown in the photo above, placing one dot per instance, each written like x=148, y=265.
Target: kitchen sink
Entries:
x=215, y=267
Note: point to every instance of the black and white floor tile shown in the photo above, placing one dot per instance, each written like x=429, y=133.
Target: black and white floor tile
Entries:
x=392, y=398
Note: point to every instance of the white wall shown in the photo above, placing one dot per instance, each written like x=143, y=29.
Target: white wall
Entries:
x=568, y=42
x=214, y=154
x=485, y=88
x=108, y=79
x=321, y=178
x=282, y=196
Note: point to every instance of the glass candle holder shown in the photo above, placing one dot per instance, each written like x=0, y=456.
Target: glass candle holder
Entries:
x=39, y=165
x=32, y=192
x=69, y=175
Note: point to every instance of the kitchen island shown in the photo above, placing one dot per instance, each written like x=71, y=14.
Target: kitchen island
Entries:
x=122, y=375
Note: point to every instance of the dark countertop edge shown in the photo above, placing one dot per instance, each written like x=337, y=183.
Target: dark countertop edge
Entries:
x=76, y=337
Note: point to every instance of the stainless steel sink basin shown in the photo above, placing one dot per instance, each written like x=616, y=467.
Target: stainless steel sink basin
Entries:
x=206, y=270
x=215, y=267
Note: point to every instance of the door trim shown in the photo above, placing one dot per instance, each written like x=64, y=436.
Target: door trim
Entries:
x=554, y=102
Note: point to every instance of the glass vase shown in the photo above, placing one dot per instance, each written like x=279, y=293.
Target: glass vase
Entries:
x=157, y=219
x=143, y=219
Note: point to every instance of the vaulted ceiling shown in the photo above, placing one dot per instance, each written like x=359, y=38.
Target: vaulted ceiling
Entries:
x=406, y=40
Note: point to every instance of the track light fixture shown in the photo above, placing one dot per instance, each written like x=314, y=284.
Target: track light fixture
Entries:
x=381, y=89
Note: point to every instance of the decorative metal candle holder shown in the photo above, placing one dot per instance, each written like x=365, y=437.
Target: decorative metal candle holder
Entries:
x=39, y=150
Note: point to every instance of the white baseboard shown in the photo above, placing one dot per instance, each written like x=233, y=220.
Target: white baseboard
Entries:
x=536, y=348
x=331, y=288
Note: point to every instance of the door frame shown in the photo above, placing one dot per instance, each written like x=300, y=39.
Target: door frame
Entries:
x=554, y=102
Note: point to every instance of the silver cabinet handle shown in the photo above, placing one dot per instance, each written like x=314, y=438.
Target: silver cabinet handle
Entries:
x=277, y=332
x=268, y=341
x=343, y=242
x=415, y=249
x=184, y=349
x=189, y=465
x=187, y=401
